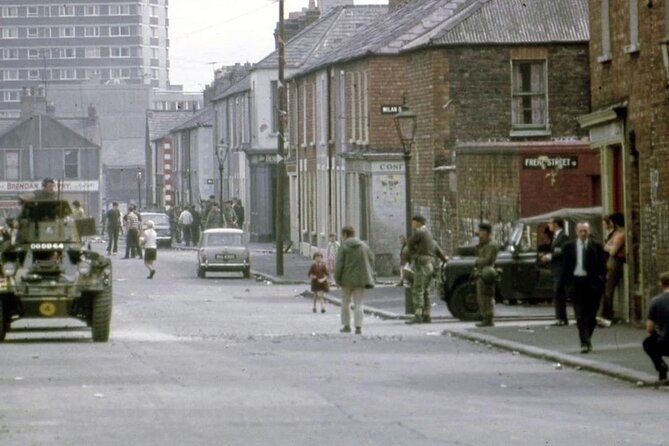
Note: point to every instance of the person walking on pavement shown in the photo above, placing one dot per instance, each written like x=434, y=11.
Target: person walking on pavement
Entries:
x=319, y=275
x=113, y=219
x=421, y=252
x=584, y=272
x=554, y=257
x=150, y=243
x=486, y=275
x=656, y=345
x=186, y=222
x=353, y=273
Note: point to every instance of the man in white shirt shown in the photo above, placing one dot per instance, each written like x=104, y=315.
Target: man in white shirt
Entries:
x=584, y=272
x=186, y=222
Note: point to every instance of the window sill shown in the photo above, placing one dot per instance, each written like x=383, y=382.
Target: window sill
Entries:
x=524, y=133
x=604, y=58
x=632, y=49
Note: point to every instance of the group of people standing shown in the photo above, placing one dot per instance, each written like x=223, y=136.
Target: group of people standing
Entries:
x=138, y=235
x=351, y=263
x=587, y=272
x=188, y=222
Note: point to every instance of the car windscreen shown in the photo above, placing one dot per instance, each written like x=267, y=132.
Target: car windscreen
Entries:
x=223, y=240
x=157, y=219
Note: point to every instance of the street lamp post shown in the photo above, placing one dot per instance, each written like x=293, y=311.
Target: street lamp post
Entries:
x=405, y=124
x=139, y=189
x=220, y=154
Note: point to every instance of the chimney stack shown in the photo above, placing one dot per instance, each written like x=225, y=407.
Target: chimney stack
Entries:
x=33, y=102
x=397, y=4
x=326, y=5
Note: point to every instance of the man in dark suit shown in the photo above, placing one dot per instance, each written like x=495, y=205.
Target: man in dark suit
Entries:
x=556, y=225
x=584, y=272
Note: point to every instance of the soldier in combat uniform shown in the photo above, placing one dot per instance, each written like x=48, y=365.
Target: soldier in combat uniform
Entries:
x=421, y=253
x=486, y=275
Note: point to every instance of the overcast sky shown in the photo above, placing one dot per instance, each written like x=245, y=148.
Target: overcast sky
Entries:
x=209, y=33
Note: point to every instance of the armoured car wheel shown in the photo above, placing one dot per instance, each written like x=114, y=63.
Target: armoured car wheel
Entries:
x=201, y=273
x=102, y=309
x=462, y=303
x=3, y=323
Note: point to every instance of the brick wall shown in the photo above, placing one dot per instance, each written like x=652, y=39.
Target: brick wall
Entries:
x=544, y=190
x=639, y=79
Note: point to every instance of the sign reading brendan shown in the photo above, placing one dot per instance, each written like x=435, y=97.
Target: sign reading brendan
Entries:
x=66, y=186
x=550, y=162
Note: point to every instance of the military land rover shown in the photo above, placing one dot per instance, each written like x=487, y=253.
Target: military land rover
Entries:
x=48, y=273
x=521, y=278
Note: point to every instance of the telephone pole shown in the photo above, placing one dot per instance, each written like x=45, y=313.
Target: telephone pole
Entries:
x=280, y=165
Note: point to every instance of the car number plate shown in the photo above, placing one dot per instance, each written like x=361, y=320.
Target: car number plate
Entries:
x=225, y=256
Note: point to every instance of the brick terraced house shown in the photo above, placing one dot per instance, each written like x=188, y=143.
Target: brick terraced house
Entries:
x=497, y=86
x=629, y=127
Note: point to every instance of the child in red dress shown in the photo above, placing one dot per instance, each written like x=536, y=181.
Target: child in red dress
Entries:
x=320, y=279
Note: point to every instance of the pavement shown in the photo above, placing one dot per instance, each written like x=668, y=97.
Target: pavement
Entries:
x=617, y=350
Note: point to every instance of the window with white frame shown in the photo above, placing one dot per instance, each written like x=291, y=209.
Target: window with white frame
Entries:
x=12, y=171
x=529, y=95
x=274, y=103
x=33, y=53
x=92, y=10
x=119, y=30
x=633, y=46
x=66, y=32
x=32, y=33
x=71, y=164
x=92, y=52
x=67, y=53
x=10, y=75
x=91, y=31
x=605, y=56
x=11, y=96
x=155, y=53
x=68, y=74
x=66, y=11
x=119, y=9
x=119, y=52
x=33, y=75
x=9, y=54
x=9, y=11
x=32, y=11
x=9, y=33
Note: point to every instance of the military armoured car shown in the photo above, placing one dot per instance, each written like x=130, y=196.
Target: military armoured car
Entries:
x=522, y=277
x=48, y=273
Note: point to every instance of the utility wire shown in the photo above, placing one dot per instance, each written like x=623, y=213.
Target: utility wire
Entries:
x=231, y=19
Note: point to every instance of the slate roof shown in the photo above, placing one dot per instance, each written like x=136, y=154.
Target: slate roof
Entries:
x=442, y=22
x=160, y=122
x=26, y=132
x=326, y=33
x=205, y=118
x=529, y=21
x=241, y=86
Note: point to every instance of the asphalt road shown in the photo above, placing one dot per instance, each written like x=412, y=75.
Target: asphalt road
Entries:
x=228, y=361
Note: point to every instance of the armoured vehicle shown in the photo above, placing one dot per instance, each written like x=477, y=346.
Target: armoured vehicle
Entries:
x=521, y=276
x=47, y=273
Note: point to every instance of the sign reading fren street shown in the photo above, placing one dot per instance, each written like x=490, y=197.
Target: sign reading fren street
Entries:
x=550, y=162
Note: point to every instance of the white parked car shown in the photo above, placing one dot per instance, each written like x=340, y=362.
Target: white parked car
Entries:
x=223, y=250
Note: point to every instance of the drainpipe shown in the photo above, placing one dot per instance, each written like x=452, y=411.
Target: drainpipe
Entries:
x=330, y=146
